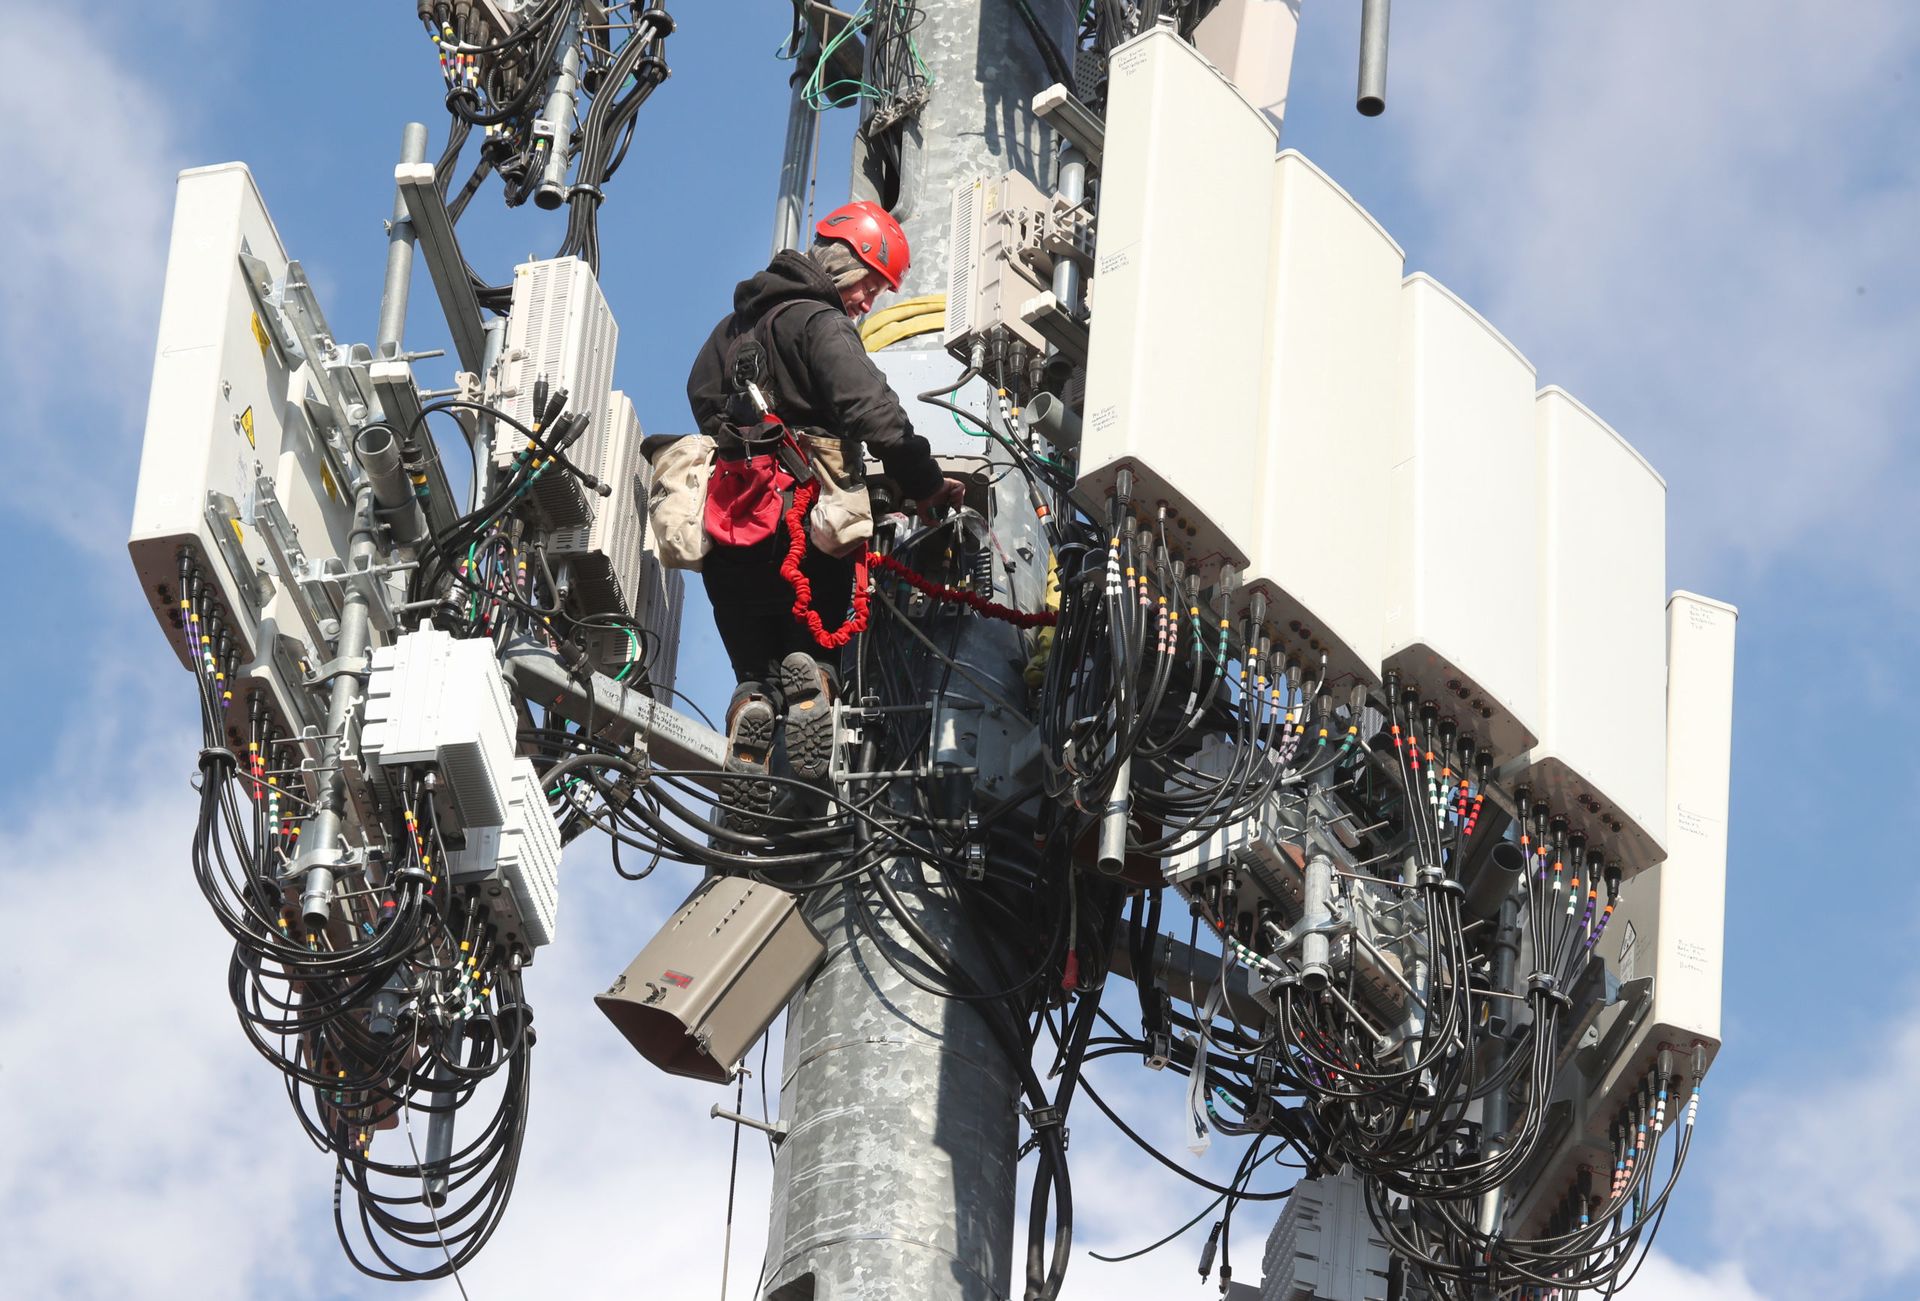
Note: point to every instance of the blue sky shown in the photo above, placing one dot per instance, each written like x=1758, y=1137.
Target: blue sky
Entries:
x=1699, y=219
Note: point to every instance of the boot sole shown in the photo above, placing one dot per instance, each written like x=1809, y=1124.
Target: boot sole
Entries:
x=809, y=720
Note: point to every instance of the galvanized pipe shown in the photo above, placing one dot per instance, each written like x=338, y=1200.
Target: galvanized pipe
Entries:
x=560, y=115
x=400, y=237
x=803, y=128
x=896, y=1176
x=1315, y=950
x=379, y=453
x=1112, y=858
x=1072, y=186
x=1372, y=98
x=322, y=844
x=1494, y=881
x=1494, y=1111
x=978, y=121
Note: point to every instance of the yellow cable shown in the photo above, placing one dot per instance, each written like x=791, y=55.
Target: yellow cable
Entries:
x=887, y=335
x=928, y=309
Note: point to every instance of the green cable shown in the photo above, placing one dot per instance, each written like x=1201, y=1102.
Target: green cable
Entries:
x=971, y=433
x=633, y=656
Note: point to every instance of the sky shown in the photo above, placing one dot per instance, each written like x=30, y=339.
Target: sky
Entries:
x=1697, y=218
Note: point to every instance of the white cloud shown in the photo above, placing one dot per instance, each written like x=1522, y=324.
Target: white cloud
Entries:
x=1664, y=1279
x=146, y=1142
x=1826, y=1161
x=85, y=201
x=1699, y=217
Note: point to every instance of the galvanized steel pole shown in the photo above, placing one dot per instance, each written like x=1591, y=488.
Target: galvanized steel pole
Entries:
x=897, y=1175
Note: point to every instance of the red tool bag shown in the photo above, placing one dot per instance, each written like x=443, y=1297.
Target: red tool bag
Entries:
x=745, y=498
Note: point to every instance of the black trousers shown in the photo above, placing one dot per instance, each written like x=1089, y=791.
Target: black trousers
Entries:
x=753, y=604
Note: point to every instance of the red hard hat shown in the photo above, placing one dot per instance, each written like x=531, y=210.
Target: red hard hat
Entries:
x=873, y=235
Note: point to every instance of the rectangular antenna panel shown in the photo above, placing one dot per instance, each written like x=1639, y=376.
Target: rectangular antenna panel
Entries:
x=1669, y=929
x=1173, y=369
x=560, y=329
x=1327, y=406
x=666, y=601
x=1602, y=753
x=1252, y=41
x=1462, y=615
x=1671, y=921
x=232, y=460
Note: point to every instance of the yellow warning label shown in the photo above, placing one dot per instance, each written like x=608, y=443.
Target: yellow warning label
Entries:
x=246, y=426
x=260, y=334
x=326, y=481
x=238, y=532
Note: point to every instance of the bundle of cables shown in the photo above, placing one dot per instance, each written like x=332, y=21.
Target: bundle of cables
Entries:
x=391, y=1010
x=511, y=84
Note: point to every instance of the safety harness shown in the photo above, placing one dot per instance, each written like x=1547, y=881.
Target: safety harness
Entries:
x=751, y=490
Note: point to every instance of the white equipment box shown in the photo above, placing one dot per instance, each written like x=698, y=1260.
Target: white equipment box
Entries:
x=614, y=566
x=1327, y=409
x=993, y=219
x=1463, y=615
x=561, y=330
x=1601, y=753
x=1172, y=391
x=243, y=466
x=607, y=557
x=516, y=866
x=434, y=700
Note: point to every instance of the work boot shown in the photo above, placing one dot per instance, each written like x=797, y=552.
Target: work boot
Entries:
x=746, y=794
x=807, y=687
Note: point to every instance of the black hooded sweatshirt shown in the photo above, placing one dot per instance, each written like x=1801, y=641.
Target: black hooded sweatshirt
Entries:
x=822, y=377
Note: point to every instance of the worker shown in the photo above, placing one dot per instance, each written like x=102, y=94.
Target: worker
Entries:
x=789, y=355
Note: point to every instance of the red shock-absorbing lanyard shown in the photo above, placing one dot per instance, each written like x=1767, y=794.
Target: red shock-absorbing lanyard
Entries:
x=803, y=498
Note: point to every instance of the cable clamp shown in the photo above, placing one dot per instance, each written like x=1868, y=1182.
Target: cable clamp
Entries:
x=218, y=754
x=1541, y=983
x=581, y=189
x=1040, y=1118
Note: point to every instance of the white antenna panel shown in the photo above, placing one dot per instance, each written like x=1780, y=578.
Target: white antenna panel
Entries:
x=1327, y=406
x=1601, y=758
x=232, y=465
x=1462, y=620
x=1172, y=391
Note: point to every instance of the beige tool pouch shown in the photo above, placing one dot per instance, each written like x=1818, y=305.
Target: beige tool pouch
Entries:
x=842, y=517
x=677, y=500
